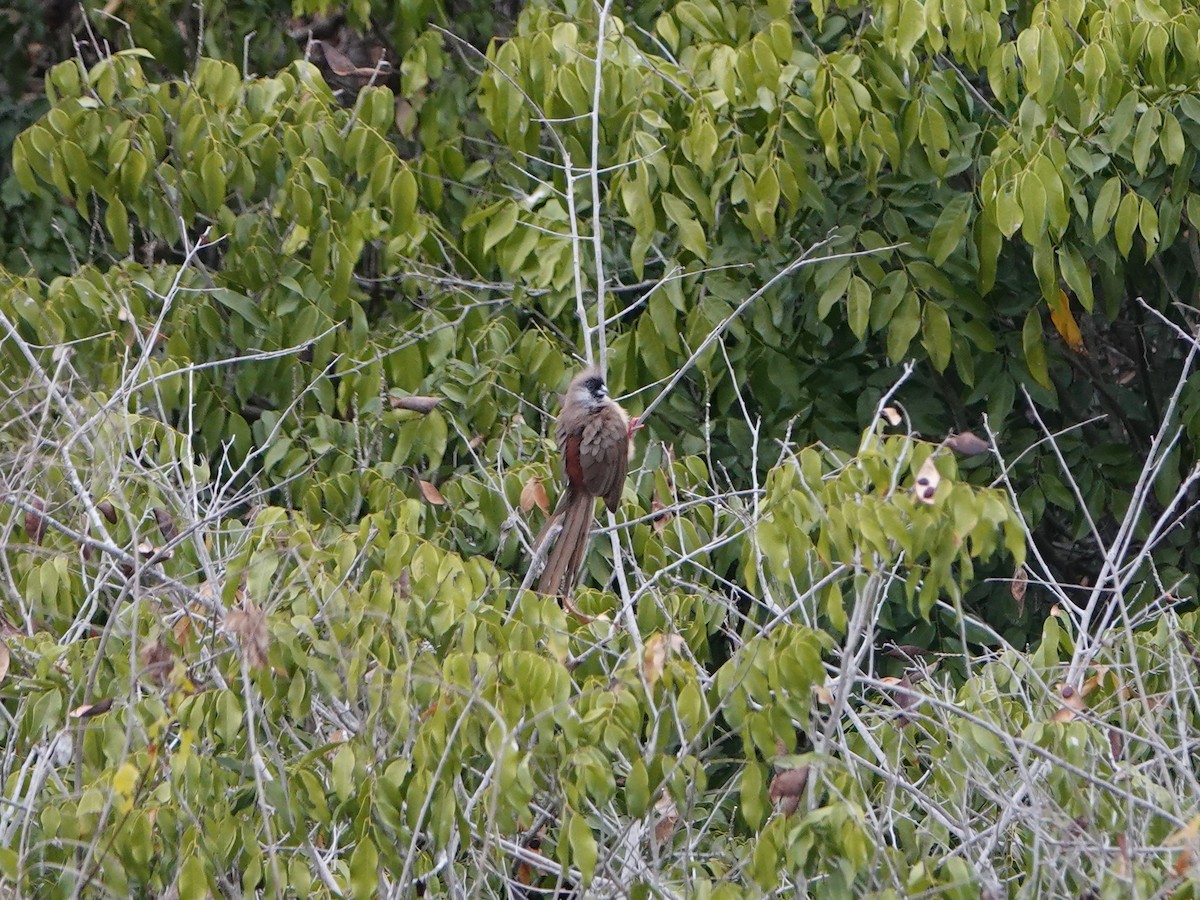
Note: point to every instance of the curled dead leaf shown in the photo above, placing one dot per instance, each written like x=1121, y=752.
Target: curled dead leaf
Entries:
x=654, y=659
x=250, y=625
x=5, y=658
x=788, y=785
x=906, y=651
x=157, y=662
x=967, y=444
x=87, y=710
x=898, y=688
x=533, y=493
x=1190, y=645
x=1073, y=704
x=1065, y=324
x=667, y=817
x=928, y=479
x=340, y=64
x=166, y=524
x=1115, y=743
x=148, y=551
x=1020, y=583
x=422, y=405
x=107, y=510
x=35, y=525
x=892, y=415
x=823, y=694
x=431, y=493
x=661, y=517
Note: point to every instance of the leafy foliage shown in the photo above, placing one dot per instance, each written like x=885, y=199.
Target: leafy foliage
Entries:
x=264, y=628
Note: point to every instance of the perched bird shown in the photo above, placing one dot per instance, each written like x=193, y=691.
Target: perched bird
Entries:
x=595, y=438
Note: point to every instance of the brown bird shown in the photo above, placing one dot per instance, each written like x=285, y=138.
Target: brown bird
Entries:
x=595, y=438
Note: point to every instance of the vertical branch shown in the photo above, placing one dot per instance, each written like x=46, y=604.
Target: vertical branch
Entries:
x=594, y=176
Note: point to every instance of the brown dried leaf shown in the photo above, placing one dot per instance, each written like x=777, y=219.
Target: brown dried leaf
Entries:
x=1186, y=640
x=668, y=817
x=824, y=694
x=788, y=785
x=1072, y=704
x=340, y=64
x=1122, y=870
x=1188, y=834
x=661, y=518
x=146, y=550
x=892, y=415
x=87, y=710
x=5, y=657
x=431, y=493
x=166, y=524
x=534, y=494
x=901, y=695
x=250, y=625
x=1020, y=582
x=654, y=659
x=422, y=405
x=1183, y=862
x=928, y=479
x=1115, y=743
x=35, y=525
x=107, y=510
x=967, y=444
x=157, y=662
x=906, y=651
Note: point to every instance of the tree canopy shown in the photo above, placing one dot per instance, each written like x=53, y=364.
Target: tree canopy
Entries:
x=899, y=598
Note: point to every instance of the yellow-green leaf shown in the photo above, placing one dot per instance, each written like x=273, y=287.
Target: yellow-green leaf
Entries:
x=1034, y=345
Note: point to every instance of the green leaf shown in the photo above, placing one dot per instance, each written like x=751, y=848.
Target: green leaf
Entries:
x=1033, y=207
x=1126, y=222
x=691, y=235
x=1148, y=225
x=858, y=306
x=637, y=789
x=1145, y=138
x=1077, y=275
x=910, y=26
x=1105, y=207
x=240, y=304
x=1121, y=121
x=582, y=844
x=1034, y=345
x=212, y=178
x=1170, y=140
x=193, y=883
x=403, y=197
x=936, y=335
x=364, y=869
x=949, y=229
x=903, y=327
x=500, y=226
x=753, y=784
x=116, y=220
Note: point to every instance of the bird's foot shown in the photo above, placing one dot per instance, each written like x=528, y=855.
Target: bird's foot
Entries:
x=634, y=424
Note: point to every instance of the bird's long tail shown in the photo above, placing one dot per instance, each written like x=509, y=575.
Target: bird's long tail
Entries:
x=574, y=514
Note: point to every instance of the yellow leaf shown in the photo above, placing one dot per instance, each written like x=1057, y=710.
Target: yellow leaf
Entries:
x=1065, y=324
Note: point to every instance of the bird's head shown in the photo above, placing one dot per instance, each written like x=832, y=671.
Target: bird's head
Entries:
x=587, y=389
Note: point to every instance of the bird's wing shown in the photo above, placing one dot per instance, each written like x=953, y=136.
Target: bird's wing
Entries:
x=604, y=455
